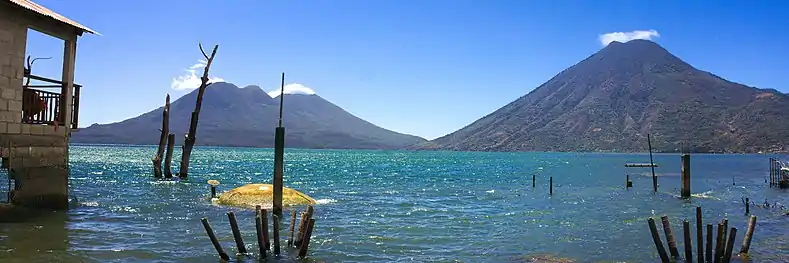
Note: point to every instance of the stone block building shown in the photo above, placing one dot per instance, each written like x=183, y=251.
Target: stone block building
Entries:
x=36, y=120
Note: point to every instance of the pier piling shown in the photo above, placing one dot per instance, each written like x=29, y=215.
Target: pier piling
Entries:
x=259, y=231
x=264, y=222
x=279, y=154
x=719, y=244
x=672, y=244
x=290, y=231
x=214, y=240
x=685, y=192
x=688, y=244
x=747, y=206
x=699, y=236
x=656, y=238
x=746, y=241
x=652, y=163
x=236, y=233
x=275, y=220
x=533, y=181
x=551, y=187
x=305, y=244
x=303, y=226
x=708, y=247
x=729, y=245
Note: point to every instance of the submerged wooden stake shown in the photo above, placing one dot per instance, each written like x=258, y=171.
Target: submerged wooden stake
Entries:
x=708, y=253
x=214, y=241
x=672, y=244
x=656, y=238
x=746, y=241
x=551, y=186
x=699, y=236
x=275, y=220
x=719, y=245
x=264, y=218
x=307, y=235
x=688, y=244
x=533, y=181
x=729, y=245
x=303, y=226
x=292, y=225
x=747, y=206
x=236, y=233
x=685, y=192
x=652, y=163
x=259, y=231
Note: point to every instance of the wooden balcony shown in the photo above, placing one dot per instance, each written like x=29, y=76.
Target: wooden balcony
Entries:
x=40, y=106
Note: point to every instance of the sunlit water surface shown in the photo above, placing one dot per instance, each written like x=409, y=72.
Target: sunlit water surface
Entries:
x=398, y=206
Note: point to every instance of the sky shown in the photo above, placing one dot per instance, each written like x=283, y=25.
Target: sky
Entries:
x=426, y=68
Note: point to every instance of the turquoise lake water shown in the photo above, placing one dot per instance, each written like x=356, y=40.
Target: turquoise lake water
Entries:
x=400, y=206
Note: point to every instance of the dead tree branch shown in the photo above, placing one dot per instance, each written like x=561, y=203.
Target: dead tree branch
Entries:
x=190, y=139
x=157, y=159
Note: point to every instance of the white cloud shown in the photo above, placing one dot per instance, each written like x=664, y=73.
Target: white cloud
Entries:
x=293, y=88
x=190, y=80
x=623, y=37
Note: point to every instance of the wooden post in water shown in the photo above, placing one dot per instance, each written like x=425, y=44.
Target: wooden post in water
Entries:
x=652, y=163
x=305, y=219
x=699, y=236
x=279, y=153
x=688, y=244
x=656, y=238
x=771, y=172
x=708, y=247
x=685, y=175
x=214, y=240
x=264, y=221
x=259, y=231
x=725, y=223
x=747, y=206
x=236, y=233
x=729, y=245
x=551, y=187
x=275, y=220
x=292, y=225
x=307, y=235
x=533, y=181
x=746, y=241
x=719, y=244
x=672, y=243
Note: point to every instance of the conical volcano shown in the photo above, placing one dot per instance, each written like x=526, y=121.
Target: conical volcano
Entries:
x=611, y=100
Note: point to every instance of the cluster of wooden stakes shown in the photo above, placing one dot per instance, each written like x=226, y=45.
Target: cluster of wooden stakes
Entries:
x=724, y=243
x=300, y=243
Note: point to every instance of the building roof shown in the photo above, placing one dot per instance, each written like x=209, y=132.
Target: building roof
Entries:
x=29, y=5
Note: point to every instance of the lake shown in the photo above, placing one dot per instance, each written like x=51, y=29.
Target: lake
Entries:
x=400, y=206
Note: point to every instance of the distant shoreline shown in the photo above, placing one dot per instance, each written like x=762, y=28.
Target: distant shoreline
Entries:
x=430, y=150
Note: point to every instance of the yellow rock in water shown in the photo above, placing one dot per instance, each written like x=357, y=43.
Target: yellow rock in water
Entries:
x=262, y=194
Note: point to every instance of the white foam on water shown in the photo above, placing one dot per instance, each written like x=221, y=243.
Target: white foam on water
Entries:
x=325, y=201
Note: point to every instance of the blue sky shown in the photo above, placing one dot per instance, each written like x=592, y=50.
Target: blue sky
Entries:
x=421, y=67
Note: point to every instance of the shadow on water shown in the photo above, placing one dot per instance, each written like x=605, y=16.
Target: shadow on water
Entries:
x=28, y=235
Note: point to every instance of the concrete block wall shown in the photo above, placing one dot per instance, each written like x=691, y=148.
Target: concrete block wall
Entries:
x=37, y=154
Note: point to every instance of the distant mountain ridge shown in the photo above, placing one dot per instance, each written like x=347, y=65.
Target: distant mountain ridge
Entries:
x=246, y=117
x=611, y=100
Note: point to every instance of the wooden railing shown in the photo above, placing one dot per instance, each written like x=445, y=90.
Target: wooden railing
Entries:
x=44, y=107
